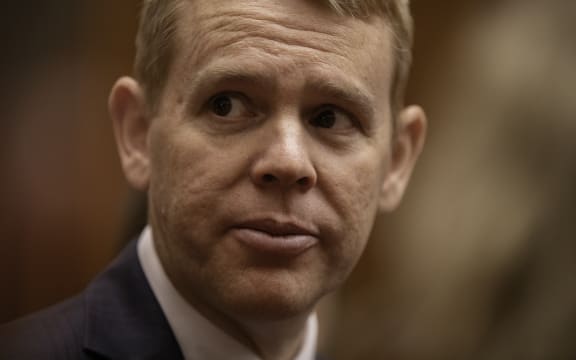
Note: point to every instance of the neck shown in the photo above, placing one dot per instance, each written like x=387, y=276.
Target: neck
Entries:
x=277, y=340
x=269, y=339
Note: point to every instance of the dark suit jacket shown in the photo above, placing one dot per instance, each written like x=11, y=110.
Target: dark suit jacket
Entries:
x=116, y=317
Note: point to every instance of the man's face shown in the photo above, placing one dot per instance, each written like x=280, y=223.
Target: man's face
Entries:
x=270, y=153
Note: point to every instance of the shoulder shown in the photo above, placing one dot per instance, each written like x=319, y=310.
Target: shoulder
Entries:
x=55, y=332
x=117, y=316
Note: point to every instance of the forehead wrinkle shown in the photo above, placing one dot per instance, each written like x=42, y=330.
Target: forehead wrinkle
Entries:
x=271, y=45
x=227, y=29
x=283, y=21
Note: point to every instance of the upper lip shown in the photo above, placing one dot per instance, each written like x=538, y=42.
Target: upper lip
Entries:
x=279, y=227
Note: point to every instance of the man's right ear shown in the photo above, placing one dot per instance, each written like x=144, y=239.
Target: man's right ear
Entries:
x=128, y=110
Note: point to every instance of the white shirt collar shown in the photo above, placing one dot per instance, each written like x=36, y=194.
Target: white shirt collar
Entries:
x=197, y=336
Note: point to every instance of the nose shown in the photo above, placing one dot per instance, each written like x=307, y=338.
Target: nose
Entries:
x=284, y=160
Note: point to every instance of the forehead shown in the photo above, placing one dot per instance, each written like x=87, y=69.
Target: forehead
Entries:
x=281, y=36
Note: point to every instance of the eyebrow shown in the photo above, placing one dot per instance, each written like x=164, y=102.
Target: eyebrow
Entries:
x=346, y=92
x=235, y=73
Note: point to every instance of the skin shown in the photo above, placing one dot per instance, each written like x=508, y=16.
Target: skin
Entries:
x=241, y=135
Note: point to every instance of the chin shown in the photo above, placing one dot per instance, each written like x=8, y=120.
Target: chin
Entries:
x=272, y=308
x=271, y=299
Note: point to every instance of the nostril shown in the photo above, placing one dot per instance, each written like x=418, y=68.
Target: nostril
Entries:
x=268, y=178
x=303, y=181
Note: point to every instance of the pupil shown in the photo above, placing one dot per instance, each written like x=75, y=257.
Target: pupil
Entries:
x=222, y=105
x=326, y=119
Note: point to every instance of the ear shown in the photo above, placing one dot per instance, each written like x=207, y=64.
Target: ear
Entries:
x=407, y=143
x=128, y=111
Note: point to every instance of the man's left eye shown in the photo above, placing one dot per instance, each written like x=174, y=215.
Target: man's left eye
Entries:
x=332, y=118
x=229, y=105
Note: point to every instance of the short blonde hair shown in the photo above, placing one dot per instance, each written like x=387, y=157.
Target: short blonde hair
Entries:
x=156, y=36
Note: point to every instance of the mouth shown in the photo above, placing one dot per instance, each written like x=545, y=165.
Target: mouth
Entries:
x=276, y=237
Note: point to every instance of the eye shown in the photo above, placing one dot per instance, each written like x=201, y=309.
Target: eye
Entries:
x=229, y=106
x=329, y=117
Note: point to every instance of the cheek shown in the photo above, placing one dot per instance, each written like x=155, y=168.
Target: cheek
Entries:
x=190, y=178
x=353, y=193
x=356, y=185
x=360, y=203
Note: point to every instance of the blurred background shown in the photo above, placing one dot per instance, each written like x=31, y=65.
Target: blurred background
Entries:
x=478, y=263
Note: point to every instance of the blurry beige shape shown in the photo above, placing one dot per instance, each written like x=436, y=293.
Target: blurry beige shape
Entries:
x=490, y=178
x=496, y=176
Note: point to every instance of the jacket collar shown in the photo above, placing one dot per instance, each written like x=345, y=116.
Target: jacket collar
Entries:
x=123, y=318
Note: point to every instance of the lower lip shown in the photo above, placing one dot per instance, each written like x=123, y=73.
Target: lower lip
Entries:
x=284, y=245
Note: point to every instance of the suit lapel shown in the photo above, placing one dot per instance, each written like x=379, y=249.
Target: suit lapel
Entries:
x=124, y=320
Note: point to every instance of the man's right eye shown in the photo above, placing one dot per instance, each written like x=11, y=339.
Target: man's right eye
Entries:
x=229, y=106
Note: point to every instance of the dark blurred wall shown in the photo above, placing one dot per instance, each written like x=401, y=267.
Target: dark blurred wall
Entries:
x=63, y=197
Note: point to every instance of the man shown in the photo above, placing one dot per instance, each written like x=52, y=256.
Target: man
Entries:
x=267, y=134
